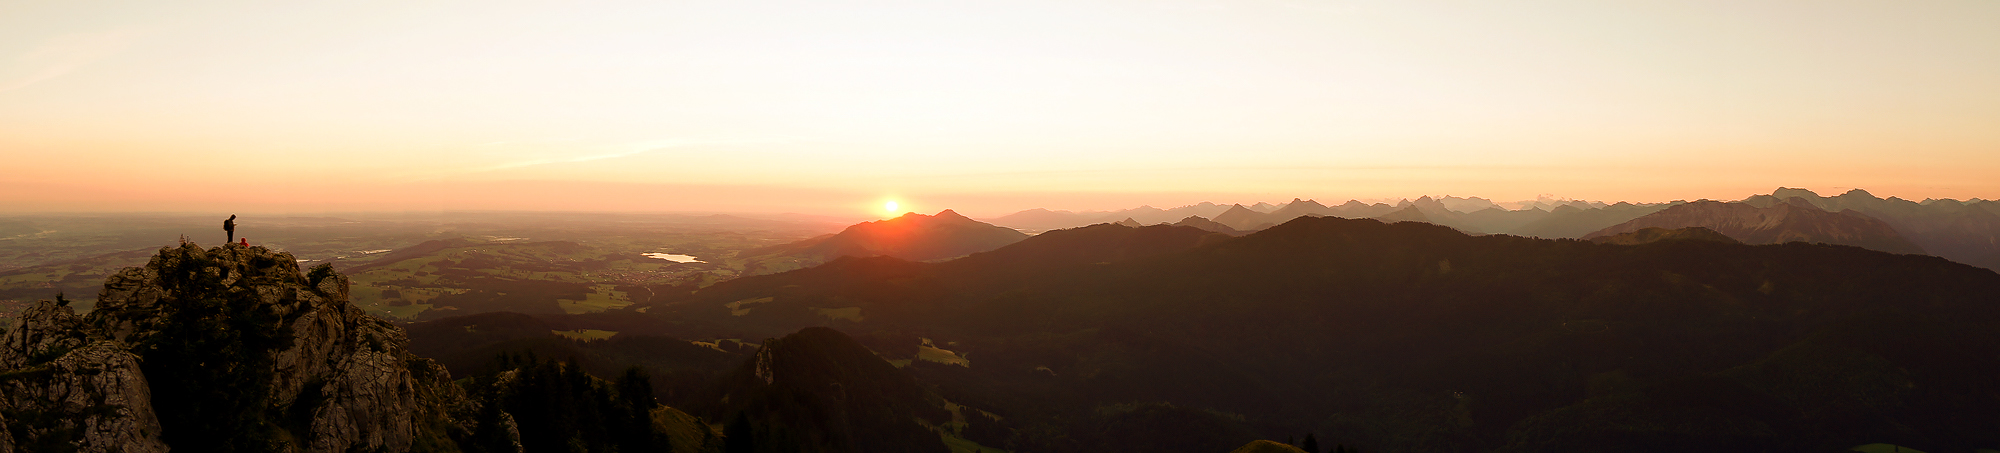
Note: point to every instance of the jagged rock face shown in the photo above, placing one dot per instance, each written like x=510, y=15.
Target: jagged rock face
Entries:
x=63, y=388
x=6, y=438
x=344, y=377
x=44, y=328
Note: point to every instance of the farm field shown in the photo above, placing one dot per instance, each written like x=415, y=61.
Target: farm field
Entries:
x=410, y=267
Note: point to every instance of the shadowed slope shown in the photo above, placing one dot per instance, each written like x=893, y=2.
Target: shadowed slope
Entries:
x=1414, y=337
x=1651, y=235
x=818, y=390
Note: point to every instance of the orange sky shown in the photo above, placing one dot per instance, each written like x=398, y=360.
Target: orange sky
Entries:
x=986, y=107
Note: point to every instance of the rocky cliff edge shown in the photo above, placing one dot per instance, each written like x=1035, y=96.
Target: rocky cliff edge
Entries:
x=238, y=348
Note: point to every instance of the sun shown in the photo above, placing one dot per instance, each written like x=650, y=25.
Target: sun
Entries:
x=890, y=206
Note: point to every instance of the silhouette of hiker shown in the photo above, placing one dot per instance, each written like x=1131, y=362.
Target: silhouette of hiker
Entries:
x=230, y=226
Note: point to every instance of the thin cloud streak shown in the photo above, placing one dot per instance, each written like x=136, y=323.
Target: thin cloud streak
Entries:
x=630, y=149
x=531, y=163
x=63, y=55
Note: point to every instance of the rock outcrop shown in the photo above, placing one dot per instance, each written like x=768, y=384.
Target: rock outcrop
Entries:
x=233, y=345
x=65, y=388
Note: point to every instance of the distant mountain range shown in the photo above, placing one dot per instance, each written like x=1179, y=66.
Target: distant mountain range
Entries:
x=1792, y=221
x=1548, y=218
x=1967, y=232
x=1265, y=214
x=1963, y=231
x=1037, y=220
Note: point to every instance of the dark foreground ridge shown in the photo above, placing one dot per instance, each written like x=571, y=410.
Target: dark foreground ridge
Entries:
x=819, y=391
x=1415, y=337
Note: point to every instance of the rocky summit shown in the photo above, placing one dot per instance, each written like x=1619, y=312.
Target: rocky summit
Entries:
x=222, y=349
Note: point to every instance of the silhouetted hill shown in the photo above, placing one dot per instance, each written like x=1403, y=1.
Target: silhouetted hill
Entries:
x=1246, y=219
x=914, y=237
x=1414, y=337
x=1435, y=212
x=1265, y=446
x=1496, y=220
x=1091, y=245
x=468, y=345
x=1039, y=219
x=1242, y=218
x=1208, y=225
x=818, y=390
x=540, y=405
x=1651, y=235
x=1468, y=205
x=1796, y=221
x=1354, y=209
x=1472, y=215
x=1570, y=221
x=1407, y=214
x=770, y=305
x=1299, y=208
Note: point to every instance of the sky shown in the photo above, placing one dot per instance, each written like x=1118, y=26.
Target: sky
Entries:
x=987, y=107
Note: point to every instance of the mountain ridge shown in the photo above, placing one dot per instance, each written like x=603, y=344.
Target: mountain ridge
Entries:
x=1285, y=316
x=1793, y=221
x=911, y=236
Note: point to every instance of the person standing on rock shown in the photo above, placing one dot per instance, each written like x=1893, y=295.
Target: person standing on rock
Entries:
x=229, y=226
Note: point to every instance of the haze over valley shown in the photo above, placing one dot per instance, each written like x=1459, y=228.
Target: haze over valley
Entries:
x=1425, y=324
x=1188, y=226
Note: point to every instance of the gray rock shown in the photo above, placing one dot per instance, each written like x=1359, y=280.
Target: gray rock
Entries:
x=81, y=379
x=42, y=333
x=65, y=389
